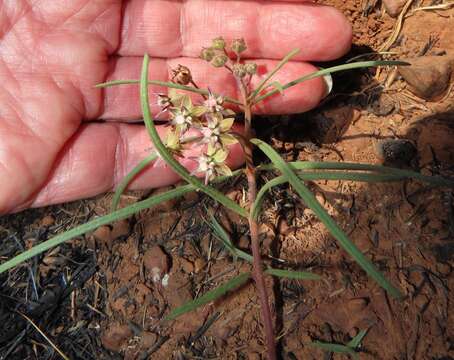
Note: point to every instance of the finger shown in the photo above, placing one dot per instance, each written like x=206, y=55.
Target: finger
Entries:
x=122, y=102
x=100, y=155
x=271, y=29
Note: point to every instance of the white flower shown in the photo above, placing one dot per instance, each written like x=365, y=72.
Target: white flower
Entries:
x=214, y=103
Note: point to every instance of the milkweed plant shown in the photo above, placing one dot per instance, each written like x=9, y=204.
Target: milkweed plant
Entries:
x=207, y=125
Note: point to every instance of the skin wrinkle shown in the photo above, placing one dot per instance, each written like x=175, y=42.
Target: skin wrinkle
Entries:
x=120, y=164
x=18, y=17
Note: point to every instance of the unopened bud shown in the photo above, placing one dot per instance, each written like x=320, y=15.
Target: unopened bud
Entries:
x=218, y=43
x=251, y=68
x=219, y=60
x=181, y=75
x=238, y=46
x=239, y=70
x=207, y=54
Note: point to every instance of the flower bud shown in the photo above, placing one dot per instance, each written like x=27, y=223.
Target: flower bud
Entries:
x=251, y=68
x=219, y=60
x=218, y=43
x=239, y=70
x=181, y=75
x=207, y=54
x=238, y=46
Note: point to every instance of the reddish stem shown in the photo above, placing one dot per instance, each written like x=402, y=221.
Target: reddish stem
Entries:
x=254, y=232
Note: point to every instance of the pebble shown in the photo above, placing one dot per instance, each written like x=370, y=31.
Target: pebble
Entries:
x=199, y=265
x=120, y=228
x=156, y=261
x=428, y=76
x=356, y=305
x=186, y=265
x=148, y=339
x=398, y=152
x=394, y=7
x=47, y=221
x=103, y=235
x=116, y=337
x=444, y=269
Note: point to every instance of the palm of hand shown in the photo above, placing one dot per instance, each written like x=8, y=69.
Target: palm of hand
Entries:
x=53, y=53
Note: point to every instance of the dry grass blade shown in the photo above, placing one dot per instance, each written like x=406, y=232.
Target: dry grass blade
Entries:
x=397, y=27
x=44, y=336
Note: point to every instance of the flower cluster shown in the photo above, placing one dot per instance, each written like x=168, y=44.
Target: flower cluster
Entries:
x=217, y=56
x=211, y=120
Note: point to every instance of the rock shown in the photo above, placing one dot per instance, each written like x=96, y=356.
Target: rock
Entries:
x=243, y=242
x=103, y=235
x=116, y=337
x=444, y=269
x=353, y=332
x=156, y=263
x=47, y=221
x=394, y=7
x=120, y=228
x=191, y=196
x=186, y=265
x=199, y=265
x=147, y=340
x=428, y=76
x=356, y=305
x=397, y=152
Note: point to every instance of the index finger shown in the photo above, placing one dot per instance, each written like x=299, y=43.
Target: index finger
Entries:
x=271, y=28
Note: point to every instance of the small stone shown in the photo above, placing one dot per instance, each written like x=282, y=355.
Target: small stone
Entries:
x=356, y=305
x=394, y=7
x=148, y=339
x=186, y=265
x=233, y=195
x=191, y=196
x=120, y=228
x=428, y=76
x=353, y=332
x=444, y=269
x=103, y=235
x=421, y=301
x=47, y=221
x=199, y=265
x=116, y=337
x=156, y=262
x=254, y=356
x=243, y=242
x=397, y=152
x=283, y=227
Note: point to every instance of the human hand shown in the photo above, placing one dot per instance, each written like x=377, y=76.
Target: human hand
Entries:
x=52, y=53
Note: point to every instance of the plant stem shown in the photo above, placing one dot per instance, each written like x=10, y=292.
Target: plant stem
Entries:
x=254, y=230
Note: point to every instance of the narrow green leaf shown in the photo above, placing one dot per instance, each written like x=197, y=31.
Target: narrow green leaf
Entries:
x=343, y=67
x=257, y=205
x=222, y=235
x=164, y=84
x=356, y=341
x=334, y=348
x=326, y=219
x=210, y=296
x=347, y=166
x=290, y=274
x=93, y=224
x=321, y=175
x=279, y=66
x=128, y=178
x=167, y=156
